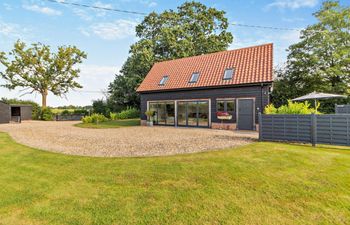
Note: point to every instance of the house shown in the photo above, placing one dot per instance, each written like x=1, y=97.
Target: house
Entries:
x=14, y=112
x=190, y=91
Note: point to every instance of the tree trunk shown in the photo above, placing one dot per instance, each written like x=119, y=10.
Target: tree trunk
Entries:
x=43, y=99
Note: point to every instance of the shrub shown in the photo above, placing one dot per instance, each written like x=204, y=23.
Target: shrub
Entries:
x=270, y=109
x=65, y=112
x=46, y=114
x=94, y=118
x=129, y=113
x=291, y=108
x=87, y=119
x=81, y=112
x=113, y=116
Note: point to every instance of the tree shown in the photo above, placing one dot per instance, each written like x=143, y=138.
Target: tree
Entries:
x=193, y=29
x=37, y=69
x=321, y=60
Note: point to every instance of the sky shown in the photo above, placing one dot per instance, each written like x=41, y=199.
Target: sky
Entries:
x=106, y=36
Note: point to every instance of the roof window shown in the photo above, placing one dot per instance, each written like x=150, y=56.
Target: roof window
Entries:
x=194, y=77
x=163, y=80
x=228, y=74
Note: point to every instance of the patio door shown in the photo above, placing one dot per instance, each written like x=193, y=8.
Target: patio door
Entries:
x=193, y=113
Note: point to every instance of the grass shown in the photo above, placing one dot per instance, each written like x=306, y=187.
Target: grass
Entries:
x=262, y=183
x=111, y=124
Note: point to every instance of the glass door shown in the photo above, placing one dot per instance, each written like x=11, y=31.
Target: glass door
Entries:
x=193, y=113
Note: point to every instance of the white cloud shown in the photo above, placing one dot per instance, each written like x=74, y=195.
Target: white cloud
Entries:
x=152, y=4
x=292, y=4
x=101, y=12
x=43, y=10
x=84, y=32
x=118, y=29
x=83, y=14
x=7, y=7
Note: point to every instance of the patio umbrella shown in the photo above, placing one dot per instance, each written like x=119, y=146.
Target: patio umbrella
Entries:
x=317, y=95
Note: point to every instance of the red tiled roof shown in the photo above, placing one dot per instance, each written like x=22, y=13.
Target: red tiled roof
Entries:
x=251, y=65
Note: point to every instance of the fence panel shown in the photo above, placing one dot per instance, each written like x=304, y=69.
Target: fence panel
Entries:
x=69, y=117
x=342, y=109
x=286, y=127
x=331, y=129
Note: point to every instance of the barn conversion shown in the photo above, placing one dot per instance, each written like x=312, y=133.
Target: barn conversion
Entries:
x=192, y=91
x=14, y=112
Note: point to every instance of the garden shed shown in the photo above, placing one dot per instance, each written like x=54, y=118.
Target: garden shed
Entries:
x=14, y=112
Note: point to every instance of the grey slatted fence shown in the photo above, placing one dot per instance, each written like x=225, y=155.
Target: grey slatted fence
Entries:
x=331, y=129
x=75, y=117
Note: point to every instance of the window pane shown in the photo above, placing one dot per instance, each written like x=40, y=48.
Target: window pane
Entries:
x=181, y=113
x=161, y=113
x=228, y=74
x=220, y=107
x=230, y=106
x=153, y=107
x=170, y=113
x=192, y=113
x=203, y=113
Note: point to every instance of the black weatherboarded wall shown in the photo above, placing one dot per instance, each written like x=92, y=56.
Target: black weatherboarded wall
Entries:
x=260, y=93
x=4, y=113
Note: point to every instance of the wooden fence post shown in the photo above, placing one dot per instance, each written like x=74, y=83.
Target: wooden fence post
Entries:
x=313, y=130
x=260, y=126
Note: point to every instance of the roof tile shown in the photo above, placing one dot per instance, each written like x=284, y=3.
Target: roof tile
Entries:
x=251, y=64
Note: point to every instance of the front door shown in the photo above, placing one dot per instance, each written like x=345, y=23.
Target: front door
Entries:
x=245, y=114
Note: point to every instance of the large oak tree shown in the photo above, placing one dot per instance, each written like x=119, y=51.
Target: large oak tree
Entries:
x=321, y=60
x=37, y=69
x=192, y=29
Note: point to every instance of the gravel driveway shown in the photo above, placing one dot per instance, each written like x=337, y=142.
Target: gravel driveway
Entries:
x=65, y=138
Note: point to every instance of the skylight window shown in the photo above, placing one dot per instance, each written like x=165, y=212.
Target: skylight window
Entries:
x=229, y=74
x=163, y=80
x=194, y=77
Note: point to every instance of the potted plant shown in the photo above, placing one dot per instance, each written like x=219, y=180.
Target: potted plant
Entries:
x=149, y=114
x=223, y=116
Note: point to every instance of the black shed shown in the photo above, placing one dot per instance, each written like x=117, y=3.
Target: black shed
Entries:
x=14, y=112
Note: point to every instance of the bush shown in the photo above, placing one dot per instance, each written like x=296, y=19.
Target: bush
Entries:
x=113, y=116
x=80, y=112
x=129, y=113
x=94, y=118
x=100, y=107
x=291, y=108
x=65, y=112
x=46, y=114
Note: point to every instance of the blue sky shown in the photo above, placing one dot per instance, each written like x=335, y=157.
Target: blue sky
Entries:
x=106, y=36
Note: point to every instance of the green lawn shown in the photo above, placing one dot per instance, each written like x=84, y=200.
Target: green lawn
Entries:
x=111, y=124
x=263, y=183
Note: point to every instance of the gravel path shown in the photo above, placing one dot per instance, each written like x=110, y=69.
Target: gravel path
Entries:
x=63, y=137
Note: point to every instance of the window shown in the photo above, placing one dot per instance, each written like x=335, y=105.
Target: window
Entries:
x=228, y=74
x=194, y=77
x=163, y=80
x=225, y=105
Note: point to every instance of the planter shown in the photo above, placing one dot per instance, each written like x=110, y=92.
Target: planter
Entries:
x=225, y=117
x=150, y=123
